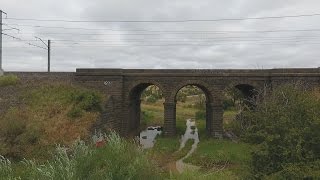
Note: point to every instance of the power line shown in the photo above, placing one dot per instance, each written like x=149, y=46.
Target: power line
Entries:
x=166, y=31
x=198, y=33
x=167, y=21
x=188, y=39
x=30, y=44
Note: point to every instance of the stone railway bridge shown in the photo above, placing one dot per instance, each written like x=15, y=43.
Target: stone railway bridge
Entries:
x=124, y=88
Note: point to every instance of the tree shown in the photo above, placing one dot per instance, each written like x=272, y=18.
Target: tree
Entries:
x=285, y=126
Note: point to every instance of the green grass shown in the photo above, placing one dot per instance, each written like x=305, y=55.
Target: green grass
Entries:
x=184, y=111
x=43, y=120
x=8, y=80
x=223, y=155
x=218, y=159
x=118, y=159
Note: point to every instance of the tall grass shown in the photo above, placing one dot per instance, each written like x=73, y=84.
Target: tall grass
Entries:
x=48, y=115
x=118, y=159
x=8, y=80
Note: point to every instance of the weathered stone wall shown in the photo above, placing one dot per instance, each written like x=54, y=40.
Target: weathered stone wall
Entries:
x=125, y=87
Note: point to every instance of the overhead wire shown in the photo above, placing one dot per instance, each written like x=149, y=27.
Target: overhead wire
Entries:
x=166, y=21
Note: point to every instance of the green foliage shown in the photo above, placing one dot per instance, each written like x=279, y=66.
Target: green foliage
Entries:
x=190, y=91
x=84, y=101
x=151, y=99
x=200, y=115
x=298, y=171
x=201, y=102
x=146, y=117
x=182, y=97
x=228, y=104
x=13, y=125
x=42, y=120
x=199, y=175
x=118, y=159
x=87, y=100
x=151, y=94
x=285, y=126
x=75, y=112
x=8, y=80
x=211, y=153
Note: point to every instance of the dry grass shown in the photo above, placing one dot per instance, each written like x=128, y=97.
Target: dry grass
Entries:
x=42, y=122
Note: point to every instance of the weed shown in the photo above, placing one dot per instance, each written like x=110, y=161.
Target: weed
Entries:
x=8, y=80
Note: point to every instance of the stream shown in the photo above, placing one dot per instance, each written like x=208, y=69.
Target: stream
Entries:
x=148, y=136
x=148, y=139
x=192, y=134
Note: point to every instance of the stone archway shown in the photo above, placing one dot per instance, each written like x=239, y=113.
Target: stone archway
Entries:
x=214, y=110
x=134, y=103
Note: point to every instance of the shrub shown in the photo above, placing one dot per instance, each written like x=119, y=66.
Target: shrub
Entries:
x=84, y=100
x=8, y=80
x=87, y=100
x=286, y=128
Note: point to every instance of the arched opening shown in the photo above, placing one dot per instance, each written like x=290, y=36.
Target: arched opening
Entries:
x=191, y=103
x=237, y=99
x=248, y=95
x=145, y=107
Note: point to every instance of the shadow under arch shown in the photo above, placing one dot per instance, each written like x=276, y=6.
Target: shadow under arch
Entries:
x=134, y=104
x=249, y=93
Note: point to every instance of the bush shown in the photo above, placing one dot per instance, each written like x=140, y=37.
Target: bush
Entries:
x=84, y=101
x=8, y=80
x=87, y=100
x=285, y=126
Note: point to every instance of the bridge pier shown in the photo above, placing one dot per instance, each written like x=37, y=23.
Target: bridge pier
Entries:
x=169, y=118
x=216, y=126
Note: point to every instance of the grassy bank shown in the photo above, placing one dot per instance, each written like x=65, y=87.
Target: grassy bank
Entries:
x=46, y=116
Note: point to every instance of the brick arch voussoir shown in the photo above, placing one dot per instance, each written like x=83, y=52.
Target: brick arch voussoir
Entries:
x=214, y=94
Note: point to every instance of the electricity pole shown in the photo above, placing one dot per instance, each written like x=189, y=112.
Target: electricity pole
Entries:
x=1, y=70
x=48, y=48
x=49, y=42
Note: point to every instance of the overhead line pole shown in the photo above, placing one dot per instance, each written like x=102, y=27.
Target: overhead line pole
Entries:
x=48, y=45
x=49, y=55
x=1, y=70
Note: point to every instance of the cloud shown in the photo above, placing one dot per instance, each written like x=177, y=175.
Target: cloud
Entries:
x=162, y=45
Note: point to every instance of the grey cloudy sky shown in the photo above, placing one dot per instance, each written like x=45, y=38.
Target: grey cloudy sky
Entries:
x=161, y=45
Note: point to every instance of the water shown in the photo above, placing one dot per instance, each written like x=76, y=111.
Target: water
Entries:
x=190, y=133
x=148, y=136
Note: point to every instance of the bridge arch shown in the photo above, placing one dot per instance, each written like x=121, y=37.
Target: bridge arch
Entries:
x=214, y=110
x=249, y=92
x=133, y=102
